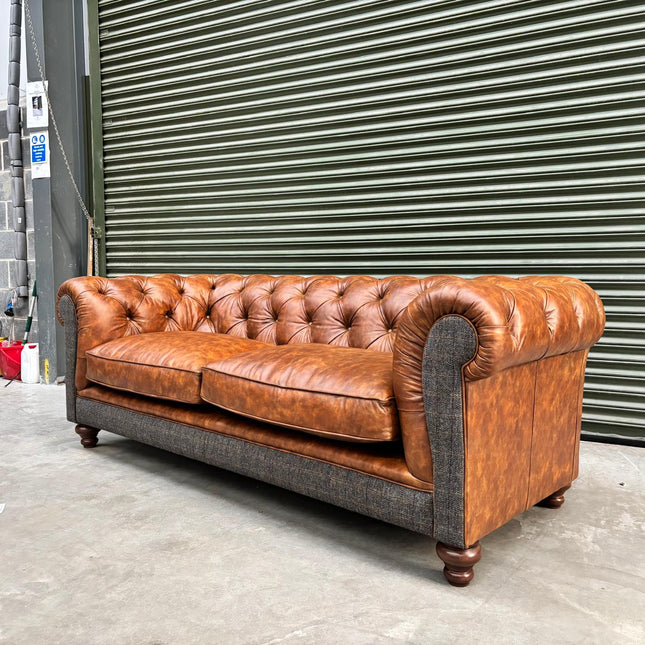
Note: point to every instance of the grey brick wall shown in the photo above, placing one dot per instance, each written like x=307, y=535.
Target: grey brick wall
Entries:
x=14, y=327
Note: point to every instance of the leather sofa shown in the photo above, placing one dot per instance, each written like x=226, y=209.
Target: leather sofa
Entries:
x=443, y=405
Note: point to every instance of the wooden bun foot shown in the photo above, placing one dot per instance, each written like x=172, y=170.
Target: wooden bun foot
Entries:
x=555, y=500
x=88, y=436
x=459, y=563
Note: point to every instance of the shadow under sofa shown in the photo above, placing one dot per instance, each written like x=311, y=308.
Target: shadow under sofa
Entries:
x=443, y=405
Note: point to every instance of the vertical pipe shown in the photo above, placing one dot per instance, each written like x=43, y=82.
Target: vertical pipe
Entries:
x=15, y=150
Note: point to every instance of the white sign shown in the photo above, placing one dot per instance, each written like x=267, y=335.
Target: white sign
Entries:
x=37, y=110
x=39, y=142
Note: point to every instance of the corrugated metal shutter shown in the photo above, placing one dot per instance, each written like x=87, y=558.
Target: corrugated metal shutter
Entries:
x=385, y=137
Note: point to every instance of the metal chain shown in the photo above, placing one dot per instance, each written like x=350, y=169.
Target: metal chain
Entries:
x=79, y=197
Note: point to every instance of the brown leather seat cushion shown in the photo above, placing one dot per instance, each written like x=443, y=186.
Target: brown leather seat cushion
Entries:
x=165, y=364
x=338, y=392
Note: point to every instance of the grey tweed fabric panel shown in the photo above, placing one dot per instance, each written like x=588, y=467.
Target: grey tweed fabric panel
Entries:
x=354, y=491
x=451, y=343
x=68, y=314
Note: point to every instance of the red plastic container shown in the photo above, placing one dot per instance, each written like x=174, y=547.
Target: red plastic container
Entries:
x=10, y=351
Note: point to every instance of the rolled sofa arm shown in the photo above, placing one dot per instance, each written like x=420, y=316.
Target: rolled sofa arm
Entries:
x=516, y=321
x=476, y=370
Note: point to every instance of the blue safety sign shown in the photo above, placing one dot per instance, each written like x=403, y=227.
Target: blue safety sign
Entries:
x=38, y=148
x=39, y=142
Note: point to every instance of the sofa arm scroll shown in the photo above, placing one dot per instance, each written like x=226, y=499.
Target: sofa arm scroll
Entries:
x=516, y=321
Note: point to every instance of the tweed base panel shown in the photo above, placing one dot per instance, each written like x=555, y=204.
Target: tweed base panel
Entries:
x=377, y=498
x=452, y=342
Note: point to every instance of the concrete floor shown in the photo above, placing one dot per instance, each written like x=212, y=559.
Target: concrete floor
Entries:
x=126, y=544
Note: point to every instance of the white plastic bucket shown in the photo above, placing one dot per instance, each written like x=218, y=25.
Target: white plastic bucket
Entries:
x=29, y=364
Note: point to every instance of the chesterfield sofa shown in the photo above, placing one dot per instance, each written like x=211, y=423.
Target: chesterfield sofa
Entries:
x=443, y=405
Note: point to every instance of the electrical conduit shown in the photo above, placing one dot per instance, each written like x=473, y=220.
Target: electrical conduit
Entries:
x=15, y=150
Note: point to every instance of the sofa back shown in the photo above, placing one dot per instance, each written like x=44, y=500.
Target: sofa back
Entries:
x=517, y=321
x=356, y=311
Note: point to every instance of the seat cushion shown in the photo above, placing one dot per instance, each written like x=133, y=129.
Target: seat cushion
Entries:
x=337, y=392
x=165, y=364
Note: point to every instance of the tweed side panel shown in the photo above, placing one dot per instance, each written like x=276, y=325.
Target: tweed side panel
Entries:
x=354, y=491
x=451, y=343
x=68, y=314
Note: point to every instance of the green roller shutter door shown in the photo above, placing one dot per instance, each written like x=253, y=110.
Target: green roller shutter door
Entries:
x=385, y=137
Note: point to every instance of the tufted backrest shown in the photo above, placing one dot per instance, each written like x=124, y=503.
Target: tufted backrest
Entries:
x=357, y=311
x=516, y=320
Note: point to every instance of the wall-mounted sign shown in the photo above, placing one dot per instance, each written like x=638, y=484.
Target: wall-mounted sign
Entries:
x=37, y=110
x=39, y=155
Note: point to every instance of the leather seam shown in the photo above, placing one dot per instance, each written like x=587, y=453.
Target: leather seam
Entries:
x=197, y=372
x=156, y=367
x=387, y=401
x=528, y=486
x=576, y=448
x=156, y=396
x=325, y=433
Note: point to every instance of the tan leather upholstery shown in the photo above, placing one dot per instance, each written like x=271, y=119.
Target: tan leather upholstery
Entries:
x=498, y=448
x=517, y=321
x=340, y=392
x=556, y=423
x=162, y=364
x=524, y=447
x=358, y=311
x=383, y=460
